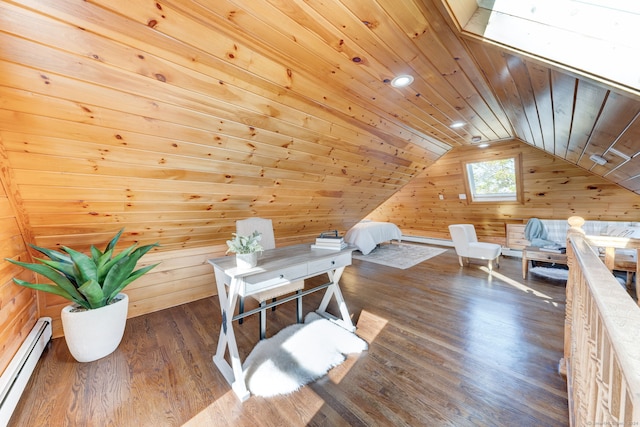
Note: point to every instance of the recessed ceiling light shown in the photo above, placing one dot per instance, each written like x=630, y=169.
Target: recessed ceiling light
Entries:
x=483, y=145
x=402, y=81
x=455, y=125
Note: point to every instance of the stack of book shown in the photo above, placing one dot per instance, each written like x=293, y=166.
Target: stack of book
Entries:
x=330, y=240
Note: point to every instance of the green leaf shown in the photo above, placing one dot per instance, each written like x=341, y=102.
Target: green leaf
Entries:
x=138, y=253
x=121, y=274
x=53, y=275
x=117, y=275
x=93, y=292
x=90, y=281
x=52, y=289
x=95, y=254
x=86, y=268
x=102, y=265
x=104, y=269
x=65, y=268
x=114, y=241
x=133, y=276
x=54, y=255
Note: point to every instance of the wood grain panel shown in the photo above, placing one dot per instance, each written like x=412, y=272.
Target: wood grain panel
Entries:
x=553, y=189
x=561, y=113
x=327, y=21
x=540, y=78
x=494, y=64
x=617, y=115
x=18, y=306
x=563, y=88
x=174, y=119
x=524, y=94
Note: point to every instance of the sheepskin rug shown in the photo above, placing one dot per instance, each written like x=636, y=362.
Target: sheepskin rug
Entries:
x=298, y=355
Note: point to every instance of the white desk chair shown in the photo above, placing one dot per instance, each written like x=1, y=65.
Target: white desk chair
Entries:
x=467, y=245
x=264, y=226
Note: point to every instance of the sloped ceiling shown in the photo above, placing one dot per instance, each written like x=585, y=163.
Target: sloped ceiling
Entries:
x=573, y=89
x=175, y=118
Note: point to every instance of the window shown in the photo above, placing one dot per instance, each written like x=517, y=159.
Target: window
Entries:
x=493, y=180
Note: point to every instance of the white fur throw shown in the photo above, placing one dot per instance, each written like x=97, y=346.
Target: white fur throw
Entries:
x=298, y=355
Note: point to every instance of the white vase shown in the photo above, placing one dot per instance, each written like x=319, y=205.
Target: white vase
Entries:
x=246, y=261
x=93, y=334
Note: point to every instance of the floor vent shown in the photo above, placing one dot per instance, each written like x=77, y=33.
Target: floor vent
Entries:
x=14, y=379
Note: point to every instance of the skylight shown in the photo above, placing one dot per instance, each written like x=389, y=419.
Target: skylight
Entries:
x=594, y=37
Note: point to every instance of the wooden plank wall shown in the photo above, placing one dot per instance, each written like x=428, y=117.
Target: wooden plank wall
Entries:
x=156, y=118
x=174, y=120
x=18, y=308
x=153, y=118
x=553, y=188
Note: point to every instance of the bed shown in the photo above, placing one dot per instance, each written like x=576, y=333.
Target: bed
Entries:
x=366, y=235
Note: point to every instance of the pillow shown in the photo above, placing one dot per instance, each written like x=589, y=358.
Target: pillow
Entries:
x=629, y=232
x=633, y=233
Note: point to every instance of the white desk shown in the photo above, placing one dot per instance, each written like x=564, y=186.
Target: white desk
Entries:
x=276, y=267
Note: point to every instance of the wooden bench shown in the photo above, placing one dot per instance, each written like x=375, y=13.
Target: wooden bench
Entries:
x=533, y=253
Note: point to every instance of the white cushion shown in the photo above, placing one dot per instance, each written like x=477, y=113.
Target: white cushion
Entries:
x=484, y=250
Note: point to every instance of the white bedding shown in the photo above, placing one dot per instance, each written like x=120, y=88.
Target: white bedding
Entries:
x=366, y=235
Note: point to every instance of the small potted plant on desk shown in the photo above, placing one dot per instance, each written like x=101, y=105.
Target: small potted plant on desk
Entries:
x=246, y=249
x=94, y=325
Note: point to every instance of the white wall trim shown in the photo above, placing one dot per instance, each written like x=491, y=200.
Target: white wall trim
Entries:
x=428, y=240
x=445, y=242
x=15, y=377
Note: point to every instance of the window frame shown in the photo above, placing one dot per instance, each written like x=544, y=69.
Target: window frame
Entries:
x=519, y=197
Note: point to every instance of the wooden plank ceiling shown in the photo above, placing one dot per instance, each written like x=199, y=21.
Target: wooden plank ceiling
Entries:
x=174, y=118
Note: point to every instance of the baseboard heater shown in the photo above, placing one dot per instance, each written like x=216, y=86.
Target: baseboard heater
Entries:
x=427, y=240
x=14, y=379
x=444, y=242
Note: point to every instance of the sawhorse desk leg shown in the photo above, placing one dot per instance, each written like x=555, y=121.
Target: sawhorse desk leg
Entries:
x=232, y=373
x=334, y=290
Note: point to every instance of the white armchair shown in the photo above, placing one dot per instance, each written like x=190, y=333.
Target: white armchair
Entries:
x=467, y=245
x=265, y=227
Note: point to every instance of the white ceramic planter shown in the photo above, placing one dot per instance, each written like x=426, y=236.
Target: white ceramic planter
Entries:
x=246, y=261
x=93, y=334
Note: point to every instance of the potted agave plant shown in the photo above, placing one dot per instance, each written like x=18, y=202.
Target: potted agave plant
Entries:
x=246, y=249
x=94, y=324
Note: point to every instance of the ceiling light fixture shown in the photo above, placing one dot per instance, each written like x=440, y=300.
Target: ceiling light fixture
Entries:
x=402, y=81
x=476, y=138
x=598, y=159
x=456, y=125
x=625, y=157
x=483, y=145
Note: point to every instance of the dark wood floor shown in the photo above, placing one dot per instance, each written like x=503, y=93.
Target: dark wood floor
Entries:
x=449, y=346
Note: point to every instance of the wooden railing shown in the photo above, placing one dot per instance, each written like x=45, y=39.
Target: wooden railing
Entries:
x=602, y=338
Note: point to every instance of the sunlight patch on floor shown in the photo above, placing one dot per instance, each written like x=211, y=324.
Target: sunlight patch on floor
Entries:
x=213, y=415
x=370, y=325
x=368, y=328
x=521, y=286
